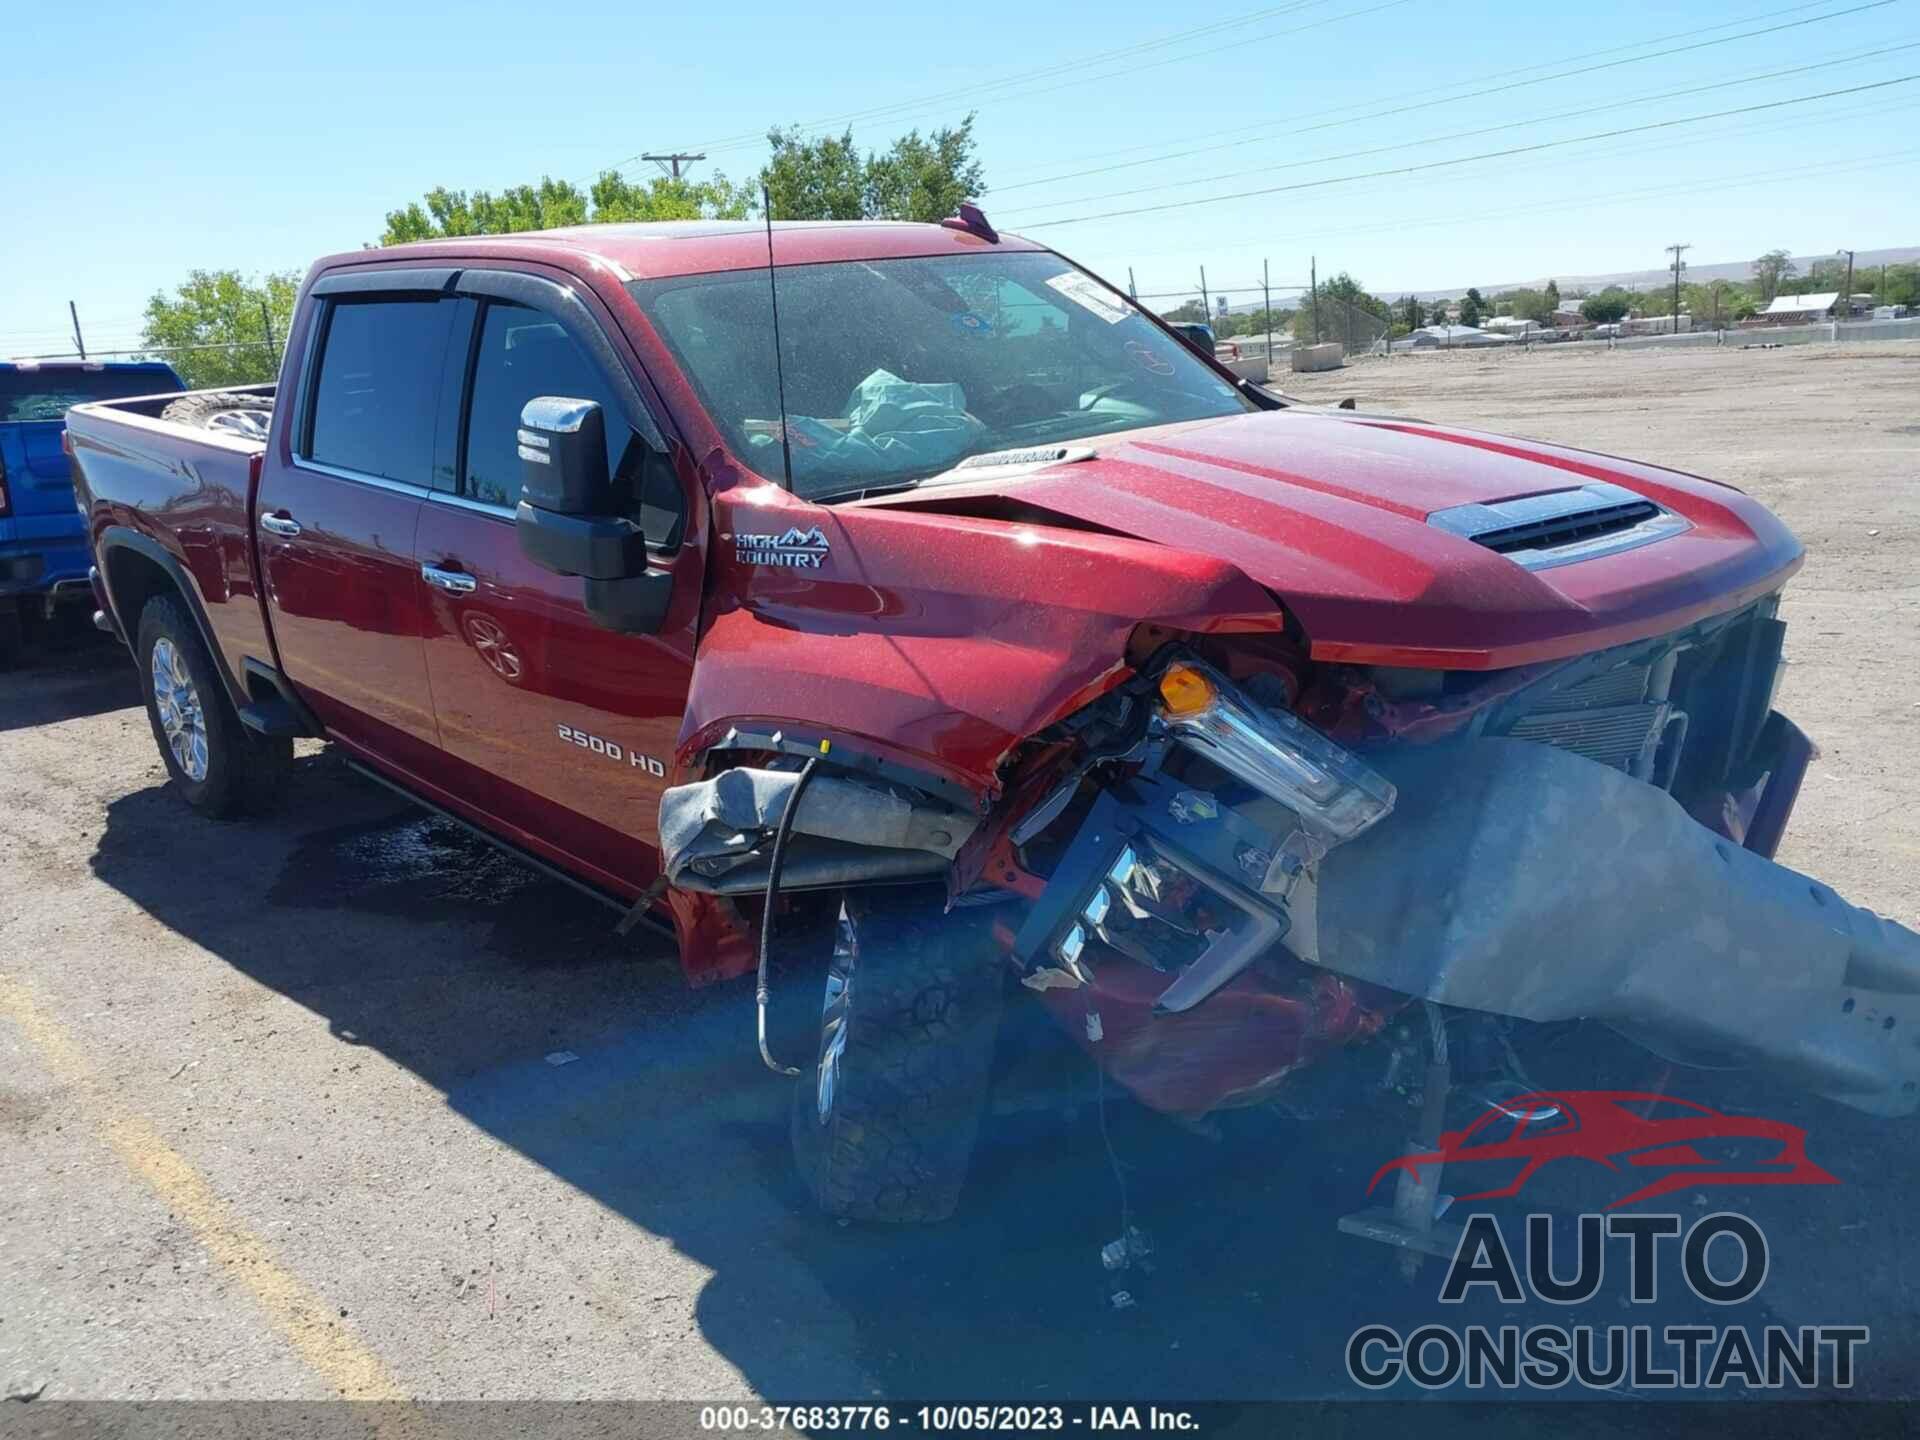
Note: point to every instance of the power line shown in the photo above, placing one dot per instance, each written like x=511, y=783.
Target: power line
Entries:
x=977, y=92
x=1469, y=159
x=1401, y=190
x=1505, y=73
x=1749, y=180
x=1292, y=131
x=1621, y=104
x=1042, y=73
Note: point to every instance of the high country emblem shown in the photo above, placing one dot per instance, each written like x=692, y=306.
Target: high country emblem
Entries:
x=796, y=550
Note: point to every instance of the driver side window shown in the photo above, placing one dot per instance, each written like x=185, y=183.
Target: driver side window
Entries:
x=522, y=353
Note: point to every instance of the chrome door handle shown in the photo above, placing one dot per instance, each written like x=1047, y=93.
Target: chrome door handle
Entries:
x=280, y=524
x=454, y=582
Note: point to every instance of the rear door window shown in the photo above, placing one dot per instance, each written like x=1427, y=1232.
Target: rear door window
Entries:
x=377, y=395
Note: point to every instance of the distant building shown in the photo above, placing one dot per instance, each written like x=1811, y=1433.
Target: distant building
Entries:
x=1656, y=325
x=1799, y=309
x=1510, y=325
x=1567, y=314
x=1445, y=337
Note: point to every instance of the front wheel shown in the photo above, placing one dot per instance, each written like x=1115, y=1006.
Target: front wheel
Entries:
x=885, y=1120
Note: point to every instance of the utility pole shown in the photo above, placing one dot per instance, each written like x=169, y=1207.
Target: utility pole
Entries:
x=1678, y=265
x=1846, y=300
x=266, y=320
x=79, y=342
x=1313, y=288
x=1206, y=301
x=1266, y=301
x=671, y=164
x=1132, y=289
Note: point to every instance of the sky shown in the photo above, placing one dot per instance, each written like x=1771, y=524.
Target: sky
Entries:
x=1356, y=134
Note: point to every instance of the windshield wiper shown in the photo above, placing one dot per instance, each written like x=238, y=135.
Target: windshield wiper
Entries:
x=861, y=492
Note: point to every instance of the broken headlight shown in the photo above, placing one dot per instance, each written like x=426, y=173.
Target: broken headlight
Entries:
x=1335, y=796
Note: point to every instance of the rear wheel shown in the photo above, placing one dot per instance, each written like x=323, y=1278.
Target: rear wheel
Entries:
x=884, y=1121
x=220, y=767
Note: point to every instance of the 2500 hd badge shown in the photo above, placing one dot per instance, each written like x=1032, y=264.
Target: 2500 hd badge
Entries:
x=611, y=749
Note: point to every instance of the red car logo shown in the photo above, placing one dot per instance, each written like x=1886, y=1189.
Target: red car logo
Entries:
x=1687, y=1145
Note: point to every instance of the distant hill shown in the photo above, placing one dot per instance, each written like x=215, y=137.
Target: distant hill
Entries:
x=1650, y=279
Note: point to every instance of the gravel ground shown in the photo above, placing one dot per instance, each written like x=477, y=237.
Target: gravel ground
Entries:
x=280, y=1115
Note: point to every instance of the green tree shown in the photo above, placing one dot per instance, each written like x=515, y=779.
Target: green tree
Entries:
x=1473, y=309
x=1345, y=311
x=552, y=203
x=213, y=328
x=617, y=199
x=1534, y=305
x=826, y=178
x=1607, y=308
x=1553, y=297
x=1413, y=314
x=1769, y=271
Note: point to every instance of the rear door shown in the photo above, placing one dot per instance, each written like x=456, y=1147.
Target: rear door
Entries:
x=556, y=728
x=336, y=514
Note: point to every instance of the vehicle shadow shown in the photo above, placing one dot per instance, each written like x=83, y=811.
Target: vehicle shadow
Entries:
x=67, y=678
x=467, y=969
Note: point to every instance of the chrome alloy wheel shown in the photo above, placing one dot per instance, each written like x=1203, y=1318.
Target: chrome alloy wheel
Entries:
x=182, y=719
x=835, y=1012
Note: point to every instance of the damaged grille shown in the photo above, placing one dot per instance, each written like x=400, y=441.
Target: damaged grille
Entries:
x=1541, y=531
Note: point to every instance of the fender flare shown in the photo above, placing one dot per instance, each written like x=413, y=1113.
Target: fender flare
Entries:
x=122, y=537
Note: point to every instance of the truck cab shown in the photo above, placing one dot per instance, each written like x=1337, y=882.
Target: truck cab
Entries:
x=43, y=537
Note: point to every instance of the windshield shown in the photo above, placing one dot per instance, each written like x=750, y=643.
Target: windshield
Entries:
x=47, y=393
x=900, y=369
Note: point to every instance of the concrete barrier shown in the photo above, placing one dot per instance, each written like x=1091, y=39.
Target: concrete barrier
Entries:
x=1248, y=368
x=1311, y=358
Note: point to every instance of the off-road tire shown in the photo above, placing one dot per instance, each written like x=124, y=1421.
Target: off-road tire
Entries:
x=927, y=991
x=245, y=771
x=212, y=409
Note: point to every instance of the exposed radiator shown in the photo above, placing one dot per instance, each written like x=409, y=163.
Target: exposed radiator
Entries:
x=1617, y=735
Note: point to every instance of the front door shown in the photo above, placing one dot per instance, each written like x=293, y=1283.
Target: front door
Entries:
x=557, y=728
x=337, y=519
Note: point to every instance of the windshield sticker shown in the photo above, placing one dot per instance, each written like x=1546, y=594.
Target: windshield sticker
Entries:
x=1145, y=356
x=1090, y=294
x=968, y=323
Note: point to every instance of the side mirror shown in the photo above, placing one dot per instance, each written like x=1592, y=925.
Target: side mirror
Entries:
x=563, y=456
x=565, y=520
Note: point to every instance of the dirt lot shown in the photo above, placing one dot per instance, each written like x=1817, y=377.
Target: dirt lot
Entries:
x=280, y=1113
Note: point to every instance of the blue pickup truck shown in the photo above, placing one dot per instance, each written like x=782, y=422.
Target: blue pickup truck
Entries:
x=43, y=544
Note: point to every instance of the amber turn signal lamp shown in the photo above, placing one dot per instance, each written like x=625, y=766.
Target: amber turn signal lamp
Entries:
x=1185, y=690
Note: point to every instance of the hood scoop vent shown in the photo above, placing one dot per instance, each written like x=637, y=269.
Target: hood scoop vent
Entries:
x=1559, y=528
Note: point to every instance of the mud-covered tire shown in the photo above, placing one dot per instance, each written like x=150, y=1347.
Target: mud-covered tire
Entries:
x=243, y=415
x=892, y=1137
x=238, y=771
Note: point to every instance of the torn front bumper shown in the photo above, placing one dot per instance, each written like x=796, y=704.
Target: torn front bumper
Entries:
x=1511, y=877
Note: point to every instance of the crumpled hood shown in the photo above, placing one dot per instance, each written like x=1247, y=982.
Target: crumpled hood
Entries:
x=1332, y=514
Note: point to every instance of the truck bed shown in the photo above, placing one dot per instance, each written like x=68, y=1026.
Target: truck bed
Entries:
x=157, y=493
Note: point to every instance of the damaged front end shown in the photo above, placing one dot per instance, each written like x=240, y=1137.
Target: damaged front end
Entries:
x=1230, y=893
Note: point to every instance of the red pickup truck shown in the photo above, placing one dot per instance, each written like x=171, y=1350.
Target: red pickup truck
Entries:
x=912, y=620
